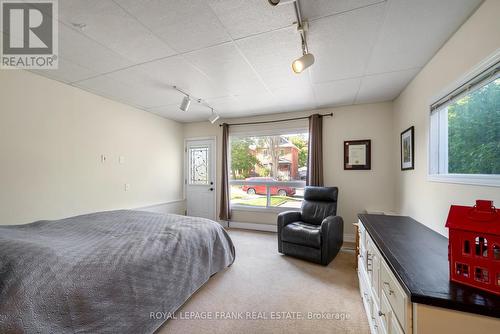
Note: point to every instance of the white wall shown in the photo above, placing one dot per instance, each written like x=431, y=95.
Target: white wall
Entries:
x=51, y=138
x=358, y=190
x=429, y=202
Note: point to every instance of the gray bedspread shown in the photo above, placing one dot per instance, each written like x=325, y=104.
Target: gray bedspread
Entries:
x=105, y=272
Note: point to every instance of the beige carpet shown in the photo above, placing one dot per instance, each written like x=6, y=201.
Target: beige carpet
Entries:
x=262, y=280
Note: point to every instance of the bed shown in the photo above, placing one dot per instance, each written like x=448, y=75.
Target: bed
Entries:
x=105, y=272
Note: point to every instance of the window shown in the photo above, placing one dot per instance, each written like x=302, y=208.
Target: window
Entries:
x=465, y=132
x=481, y=247
x=268, y=171
x=462, y=269
x=496, y=252
x=481, y=275
x=198, y=165
x=466, y=247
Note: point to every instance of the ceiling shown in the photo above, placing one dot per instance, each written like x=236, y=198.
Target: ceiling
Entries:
x=236, y=54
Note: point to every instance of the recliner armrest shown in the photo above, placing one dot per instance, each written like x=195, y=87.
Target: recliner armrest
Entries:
x=332, y=234
x=285, y=218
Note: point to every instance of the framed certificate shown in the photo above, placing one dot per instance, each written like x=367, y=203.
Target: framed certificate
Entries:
x=357, y=154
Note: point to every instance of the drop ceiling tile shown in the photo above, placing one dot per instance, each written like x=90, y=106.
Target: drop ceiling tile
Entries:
x=385, y=86
x=342, y=43
x=110, y=25
x=151, y=84
x=226, y=66
x=67, y=72
x=271, y=55
x=248, y=17
x=81, y=50
x=293, y=96
x=320, y=8
x=413, y=31
x=184, y=25
x=133, y=94
x=335, y=93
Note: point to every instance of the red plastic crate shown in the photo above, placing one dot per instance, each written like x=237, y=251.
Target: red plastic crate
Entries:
x=474, y=245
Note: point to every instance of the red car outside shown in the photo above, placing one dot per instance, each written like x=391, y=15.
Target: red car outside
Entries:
x=261, y=189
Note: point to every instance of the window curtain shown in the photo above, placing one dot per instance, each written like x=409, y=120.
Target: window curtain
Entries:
x=225, y=211
x=315, y=161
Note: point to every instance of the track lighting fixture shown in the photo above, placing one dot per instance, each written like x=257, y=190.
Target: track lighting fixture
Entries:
x=302, y=63
x=214, y=117
x=186, y=102
x=307, y=59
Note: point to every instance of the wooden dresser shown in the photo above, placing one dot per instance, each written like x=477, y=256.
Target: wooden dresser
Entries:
x=404, y=282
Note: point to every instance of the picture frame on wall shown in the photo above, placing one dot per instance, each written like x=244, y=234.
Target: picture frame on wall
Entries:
x=408, y=149
x=357, y=154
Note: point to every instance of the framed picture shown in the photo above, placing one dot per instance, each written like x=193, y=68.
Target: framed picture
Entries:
x=357, y=154
x=407, y=149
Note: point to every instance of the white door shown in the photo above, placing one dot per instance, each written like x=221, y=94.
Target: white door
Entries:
x=200, y=178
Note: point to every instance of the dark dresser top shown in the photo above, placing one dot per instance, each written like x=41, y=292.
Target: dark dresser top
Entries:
x=418, y=256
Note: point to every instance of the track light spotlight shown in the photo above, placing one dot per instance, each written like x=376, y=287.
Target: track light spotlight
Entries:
x=186, y=102
x=302, y=63
x=214, y=117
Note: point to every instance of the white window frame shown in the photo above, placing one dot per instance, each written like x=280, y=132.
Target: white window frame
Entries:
x=264, y=131
x=438, y=135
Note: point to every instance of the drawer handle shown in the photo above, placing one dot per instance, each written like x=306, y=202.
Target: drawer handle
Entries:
x=380, y=314
x=389, y=287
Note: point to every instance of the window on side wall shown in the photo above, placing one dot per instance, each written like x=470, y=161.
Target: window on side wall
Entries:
x=464, y=143
x=268, y=171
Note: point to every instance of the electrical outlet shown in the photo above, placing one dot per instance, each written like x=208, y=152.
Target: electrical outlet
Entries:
x=127, y=186
x=103, y=158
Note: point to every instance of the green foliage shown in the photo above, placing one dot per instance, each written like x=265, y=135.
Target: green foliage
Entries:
x=301, y=143
x=474, y=132
x=242, y=159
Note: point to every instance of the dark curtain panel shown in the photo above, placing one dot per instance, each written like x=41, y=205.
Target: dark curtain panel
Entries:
x=225, y=211
x=315, y=161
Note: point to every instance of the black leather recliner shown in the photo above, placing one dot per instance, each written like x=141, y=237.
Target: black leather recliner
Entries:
x=316, y=233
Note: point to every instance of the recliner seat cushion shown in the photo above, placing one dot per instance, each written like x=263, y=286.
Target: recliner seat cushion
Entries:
x=301, y=233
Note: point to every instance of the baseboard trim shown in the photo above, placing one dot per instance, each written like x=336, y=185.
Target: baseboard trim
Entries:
x=161, y=204
x=268, y=228
x=175, y=206
x=253, y=226
x=349, y=237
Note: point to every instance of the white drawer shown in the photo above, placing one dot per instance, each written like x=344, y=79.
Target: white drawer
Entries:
x=379, y=326
x=385, y=312
x=394, y=327
x=395, y=294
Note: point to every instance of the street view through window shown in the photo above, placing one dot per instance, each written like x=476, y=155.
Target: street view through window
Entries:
x=268, y=171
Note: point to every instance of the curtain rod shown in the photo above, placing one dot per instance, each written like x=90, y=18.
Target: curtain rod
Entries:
x=279, y=120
